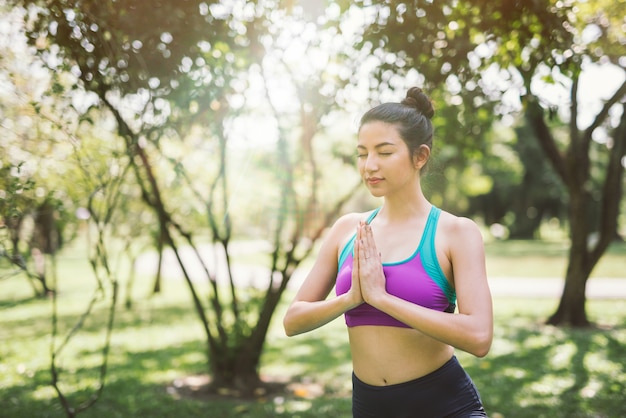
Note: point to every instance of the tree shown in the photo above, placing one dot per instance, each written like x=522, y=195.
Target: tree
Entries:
x=16, y=190
x=526, y=191
x=32, y=217
x=45, y=142
x=175, y=78
x=102, y=222
x=174, y=59
x=509, y=47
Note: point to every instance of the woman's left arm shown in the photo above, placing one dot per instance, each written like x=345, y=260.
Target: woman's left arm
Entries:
x=470, y=330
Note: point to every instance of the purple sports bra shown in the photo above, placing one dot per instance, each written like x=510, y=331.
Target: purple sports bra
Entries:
x=418, y=279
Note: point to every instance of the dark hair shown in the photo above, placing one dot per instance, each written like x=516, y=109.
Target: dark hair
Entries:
x=412, y=116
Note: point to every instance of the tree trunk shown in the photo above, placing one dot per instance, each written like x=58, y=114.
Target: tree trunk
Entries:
x=236, y=368
x=585, y=252
x=571, y=310
x=160, y=248
x=235, y=371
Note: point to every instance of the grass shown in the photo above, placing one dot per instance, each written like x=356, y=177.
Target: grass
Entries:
x=532, y=370
x=547, y=259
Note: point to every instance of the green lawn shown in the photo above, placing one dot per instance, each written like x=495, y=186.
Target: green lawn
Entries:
x=546, y=259
x=531, y=371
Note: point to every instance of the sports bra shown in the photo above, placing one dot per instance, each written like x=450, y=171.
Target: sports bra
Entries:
x=418, y=279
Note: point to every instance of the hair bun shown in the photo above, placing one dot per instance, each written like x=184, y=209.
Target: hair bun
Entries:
x=416, y=98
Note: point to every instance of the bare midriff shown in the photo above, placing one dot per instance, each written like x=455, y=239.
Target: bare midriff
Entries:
x=384, y=355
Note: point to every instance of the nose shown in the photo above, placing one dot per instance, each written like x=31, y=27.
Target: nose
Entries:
x=371, y=163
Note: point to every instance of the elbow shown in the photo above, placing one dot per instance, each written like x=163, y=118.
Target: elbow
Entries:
x=289, y=326
x=293, y=327
x=481, y=351
x=289, y=332
x=482, y=344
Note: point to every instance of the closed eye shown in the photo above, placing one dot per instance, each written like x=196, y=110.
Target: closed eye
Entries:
x=382, y=154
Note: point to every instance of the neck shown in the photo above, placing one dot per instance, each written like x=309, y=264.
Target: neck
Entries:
x=405, y=205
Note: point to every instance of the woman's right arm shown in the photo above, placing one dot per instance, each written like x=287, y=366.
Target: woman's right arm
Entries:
x=310, y=308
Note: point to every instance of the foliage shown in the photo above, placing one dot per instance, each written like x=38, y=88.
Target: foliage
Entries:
x=99, y=211
x=157, y=71
x=526, y=191
x=118, y=47
x=496, y=50
x=176, y=91
x=15, y=193
x=42, y=218
x=15, y=200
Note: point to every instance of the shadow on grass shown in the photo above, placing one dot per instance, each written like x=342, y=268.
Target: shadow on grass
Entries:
x=311, y=354
x=39, y=322
x=11, y=303
x=553, y=373
x=132, y=379
x=139, y=384
x=164, y=348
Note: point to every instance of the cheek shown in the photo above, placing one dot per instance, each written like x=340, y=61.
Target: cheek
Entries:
x=360, y=165
x=405, y=167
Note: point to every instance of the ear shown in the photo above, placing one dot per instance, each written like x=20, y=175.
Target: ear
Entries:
x=421, y=156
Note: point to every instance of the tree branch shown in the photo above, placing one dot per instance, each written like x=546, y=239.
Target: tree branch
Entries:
x=156, y=203
x=612, y=190
x=573, y=119
x=600, y=117
x=534, y=115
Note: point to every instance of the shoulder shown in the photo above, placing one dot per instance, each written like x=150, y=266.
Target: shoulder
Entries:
x=352, y=219
x=338, y=235
x=461, y=240
x=346, y=225
x=448, y=220
x=458, y=229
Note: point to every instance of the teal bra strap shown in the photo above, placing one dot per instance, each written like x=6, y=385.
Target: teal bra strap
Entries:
x=349, y=247
x=428, y=254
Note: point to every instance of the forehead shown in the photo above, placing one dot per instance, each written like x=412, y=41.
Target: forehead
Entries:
x=378, y=133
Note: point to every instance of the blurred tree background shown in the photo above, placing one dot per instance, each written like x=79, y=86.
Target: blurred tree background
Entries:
x=194, y=125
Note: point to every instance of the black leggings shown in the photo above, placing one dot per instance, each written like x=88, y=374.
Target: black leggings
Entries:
x=446, y=392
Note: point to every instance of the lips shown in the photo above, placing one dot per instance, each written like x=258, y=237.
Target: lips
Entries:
x=373, y=180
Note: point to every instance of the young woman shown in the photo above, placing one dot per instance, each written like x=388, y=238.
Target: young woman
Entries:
x=399, y=272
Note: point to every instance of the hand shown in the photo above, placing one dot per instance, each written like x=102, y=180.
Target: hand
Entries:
x=370, y=269
x=355, y=287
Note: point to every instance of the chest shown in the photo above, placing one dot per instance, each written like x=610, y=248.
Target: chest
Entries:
x=397, y=244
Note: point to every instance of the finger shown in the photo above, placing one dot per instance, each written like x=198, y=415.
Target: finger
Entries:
x=362, y=253
x=358, y=243
x=364, y=243
x=368, y=239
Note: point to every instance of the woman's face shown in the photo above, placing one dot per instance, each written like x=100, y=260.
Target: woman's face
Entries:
x=383, y=159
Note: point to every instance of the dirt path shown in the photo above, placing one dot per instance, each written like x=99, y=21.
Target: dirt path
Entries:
x=597, y=287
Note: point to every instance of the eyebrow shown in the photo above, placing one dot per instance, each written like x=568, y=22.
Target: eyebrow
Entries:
x=382, y=144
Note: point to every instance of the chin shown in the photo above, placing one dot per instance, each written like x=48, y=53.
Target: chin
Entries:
x=377, y=193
